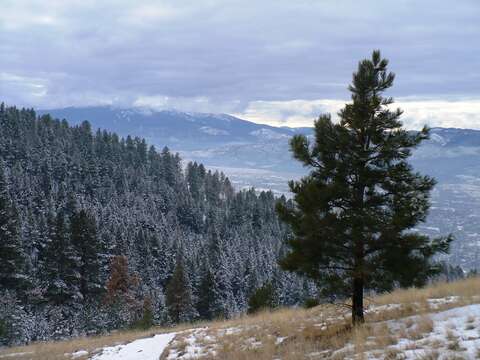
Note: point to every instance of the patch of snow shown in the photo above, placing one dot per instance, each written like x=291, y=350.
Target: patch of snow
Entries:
x=213, y=131
x=142, y=349
x=194, y=348
x=231, y=330
x=15, y=354
x=438, y=139
x=223, y=117
x=253, y=343
x=381, y=308
x=435, y=303
x=77, y=354
x=318, y=354
x=455, y=333
x=268, y=134
x=343, y=351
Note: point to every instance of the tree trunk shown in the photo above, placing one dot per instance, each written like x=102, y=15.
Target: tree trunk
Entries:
x=357, y=302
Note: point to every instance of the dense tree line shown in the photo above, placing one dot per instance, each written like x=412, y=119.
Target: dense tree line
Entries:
x=99, y=232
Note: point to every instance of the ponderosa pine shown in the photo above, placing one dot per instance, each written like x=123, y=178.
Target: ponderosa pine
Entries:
x=355, y=212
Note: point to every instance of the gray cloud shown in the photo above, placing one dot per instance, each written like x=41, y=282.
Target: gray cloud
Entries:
x=230, y=55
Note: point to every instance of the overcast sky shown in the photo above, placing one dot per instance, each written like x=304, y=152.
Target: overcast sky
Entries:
x=271, y=61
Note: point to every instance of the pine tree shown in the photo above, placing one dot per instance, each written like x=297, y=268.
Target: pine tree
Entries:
x=263, y=298
x=60, y=267
x=223, y=305
x=353, y=212
x=12, y=257
x=179, y=296
x=84, y=238
x=206, y=295
x=146, y=321
x=120, y=282
x=122, y=293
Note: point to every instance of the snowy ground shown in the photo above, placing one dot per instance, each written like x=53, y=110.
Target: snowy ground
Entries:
x=451, y=334
x=445, y=335
x=195, y=344
x=143, y=349
x=438, y=334
x=456, y=332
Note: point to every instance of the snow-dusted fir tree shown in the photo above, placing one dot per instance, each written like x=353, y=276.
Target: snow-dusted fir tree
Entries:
x=83, y=235
x=59, y=263
x=12, y=256
x=179, y=297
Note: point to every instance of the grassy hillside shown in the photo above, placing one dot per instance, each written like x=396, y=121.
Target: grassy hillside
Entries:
x=405, y=324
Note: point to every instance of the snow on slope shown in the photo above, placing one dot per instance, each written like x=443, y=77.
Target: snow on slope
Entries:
x=454, y=335
x=213, y=131
x=455, y=332
x=143, y=349
x=268, y=134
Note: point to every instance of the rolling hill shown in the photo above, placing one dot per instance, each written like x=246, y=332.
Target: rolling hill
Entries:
x=437, y=322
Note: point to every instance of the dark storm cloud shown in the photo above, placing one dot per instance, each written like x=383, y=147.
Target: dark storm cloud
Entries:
x=240, y=57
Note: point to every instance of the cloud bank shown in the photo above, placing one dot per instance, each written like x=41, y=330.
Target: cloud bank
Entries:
x=274, y=61
x=417, y=113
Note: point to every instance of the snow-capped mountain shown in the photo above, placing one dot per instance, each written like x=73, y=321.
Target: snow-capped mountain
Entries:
x=177, y=130
x=216, y=140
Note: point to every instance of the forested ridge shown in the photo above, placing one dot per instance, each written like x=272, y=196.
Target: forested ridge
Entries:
x=100, y=232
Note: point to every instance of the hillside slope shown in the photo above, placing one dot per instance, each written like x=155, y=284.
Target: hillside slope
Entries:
x=84, y=208
x=438, y=322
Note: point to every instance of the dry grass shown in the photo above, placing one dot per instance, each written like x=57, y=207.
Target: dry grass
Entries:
x=433, y=355
x=423, y=325
x=318, y=333
x=465, y=289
